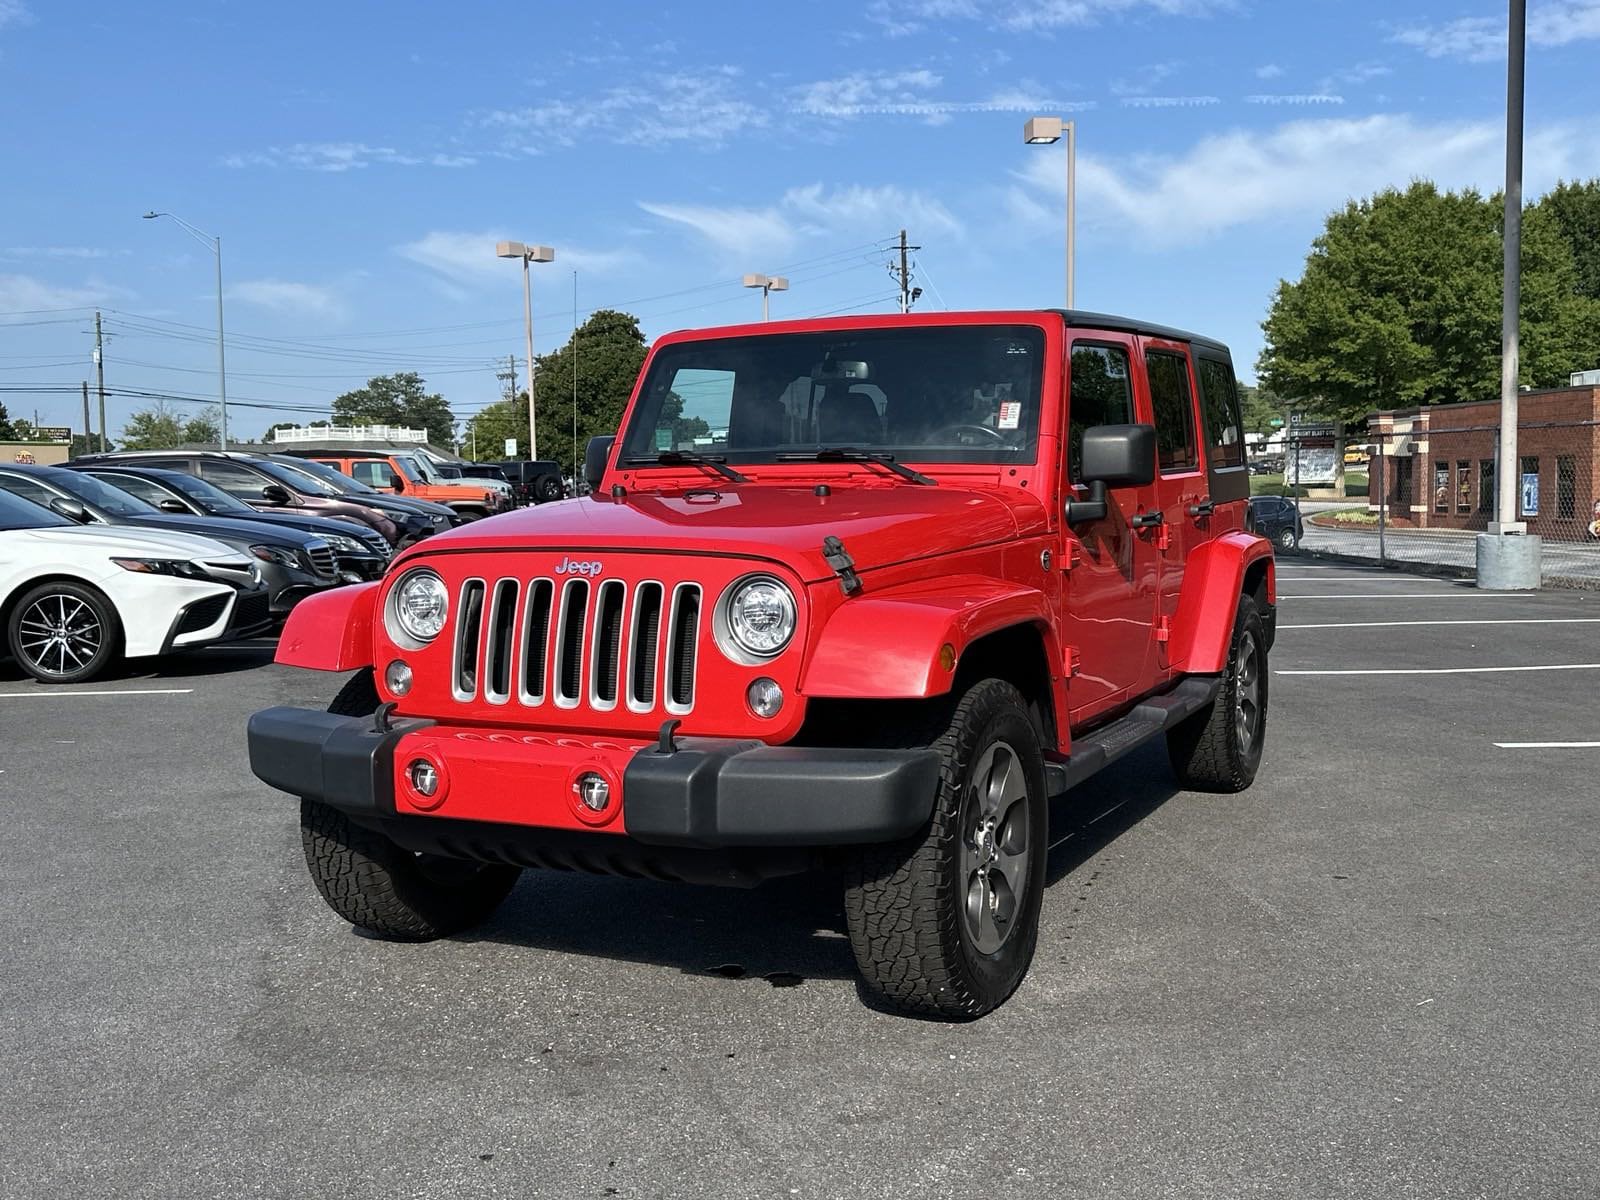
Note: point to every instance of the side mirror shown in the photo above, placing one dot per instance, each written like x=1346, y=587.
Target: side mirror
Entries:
x=1113, y=456
x=275, y=493
x=397, y=481
x=72, y=510
x=171, y=505
x=594, y=461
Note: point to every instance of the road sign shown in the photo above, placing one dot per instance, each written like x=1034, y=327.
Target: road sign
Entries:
x=1276, y=422
x=52, y=433
x=511, y=447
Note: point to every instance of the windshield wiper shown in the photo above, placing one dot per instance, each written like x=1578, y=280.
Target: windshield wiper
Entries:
x=851, y=454
x=682, y=458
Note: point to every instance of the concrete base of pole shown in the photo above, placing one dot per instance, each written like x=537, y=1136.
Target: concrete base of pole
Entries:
x=1508, y=562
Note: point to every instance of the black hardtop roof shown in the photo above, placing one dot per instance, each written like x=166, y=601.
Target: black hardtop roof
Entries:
x=1081, y=318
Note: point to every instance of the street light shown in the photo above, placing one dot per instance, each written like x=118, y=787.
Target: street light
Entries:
x=1046, y=131
x=767, y=283
x=214, y=244
x=528, y=254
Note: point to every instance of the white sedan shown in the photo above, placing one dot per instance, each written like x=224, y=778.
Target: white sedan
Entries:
x=74, y=599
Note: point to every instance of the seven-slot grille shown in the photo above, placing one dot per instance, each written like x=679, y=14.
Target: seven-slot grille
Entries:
x=577, y=643
x=322, y=559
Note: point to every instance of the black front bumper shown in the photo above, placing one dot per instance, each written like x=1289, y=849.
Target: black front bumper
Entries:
x=707, y=792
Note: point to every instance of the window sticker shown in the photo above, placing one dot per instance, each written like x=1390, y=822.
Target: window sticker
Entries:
x=1010, y=414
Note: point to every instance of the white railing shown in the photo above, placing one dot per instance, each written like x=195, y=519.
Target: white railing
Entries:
x=350, y=433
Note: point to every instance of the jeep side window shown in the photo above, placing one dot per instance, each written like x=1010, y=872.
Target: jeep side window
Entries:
x=373, y=473
x=1174, y=411
x=1101, y=394
x=1224, y=444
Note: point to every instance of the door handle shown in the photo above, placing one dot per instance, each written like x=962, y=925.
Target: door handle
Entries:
x=1146, y=520
x=1203, y=509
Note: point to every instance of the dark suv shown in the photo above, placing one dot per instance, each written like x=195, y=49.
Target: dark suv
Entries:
x=537, y=482
x=259, y=482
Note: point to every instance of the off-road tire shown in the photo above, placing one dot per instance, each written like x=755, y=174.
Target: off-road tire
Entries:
x=904, y=900
x=87, y=608
x=375, y=884
x=547, y=488
x=1207, y=751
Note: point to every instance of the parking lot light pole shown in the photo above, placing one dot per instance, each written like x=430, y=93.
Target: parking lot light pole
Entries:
x=767, y=283
x=214, y=244
x=528, y=254
x=1046, y=131
x=1507, y=557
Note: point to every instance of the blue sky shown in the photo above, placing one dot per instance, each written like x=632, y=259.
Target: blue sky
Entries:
x=361, y=159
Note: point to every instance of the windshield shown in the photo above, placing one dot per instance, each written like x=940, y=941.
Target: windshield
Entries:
x=208, y=496
x=933, y=394
x=323, y=473
x=103, y=496
x=414, y=469
x=294, y=479
x=17, y=513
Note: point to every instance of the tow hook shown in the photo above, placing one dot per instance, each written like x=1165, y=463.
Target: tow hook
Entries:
x=665, y=744
x=380, y=718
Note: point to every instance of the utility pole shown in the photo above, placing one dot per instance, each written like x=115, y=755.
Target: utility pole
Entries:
x=907, y=294
x=88, y=433
x=509, y=377
x=100, y=376
x=574, y=379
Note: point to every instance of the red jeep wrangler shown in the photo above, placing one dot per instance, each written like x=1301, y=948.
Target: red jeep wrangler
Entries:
x=859, y=594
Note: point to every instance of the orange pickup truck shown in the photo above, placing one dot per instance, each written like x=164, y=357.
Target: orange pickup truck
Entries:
x=399, y=473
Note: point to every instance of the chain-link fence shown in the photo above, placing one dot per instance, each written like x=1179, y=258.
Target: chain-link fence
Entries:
x=1422, y=485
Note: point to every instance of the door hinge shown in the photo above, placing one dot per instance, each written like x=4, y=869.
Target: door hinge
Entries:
x=1071, y=556
x=1074, y=661
x=1164, y=629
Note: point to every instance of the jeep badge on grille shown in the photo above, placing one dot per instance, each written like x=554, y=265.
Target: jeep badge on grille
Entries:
x=569, y=567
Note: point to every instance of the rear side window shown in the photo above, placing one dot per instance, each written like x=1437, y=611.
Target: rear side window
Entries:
x=1224, y=442
x=1174, y=411
x=1101, y=394
x=231, y=478
x=135, y=485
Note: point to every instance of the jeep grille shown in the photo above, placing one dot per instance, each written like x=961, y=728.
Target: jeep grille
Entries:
x=576, y=643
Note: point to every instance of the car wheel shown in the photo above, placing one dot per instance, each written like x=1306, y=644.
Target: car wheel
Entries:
x=378, y=885
x=1286, y=538
x=1219, y=748
x=944, y=923
x=63, y=632
x=547, y=488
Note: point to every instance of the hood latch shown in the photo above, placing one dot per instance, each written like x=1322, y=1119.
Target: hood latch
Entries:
x=843, y=565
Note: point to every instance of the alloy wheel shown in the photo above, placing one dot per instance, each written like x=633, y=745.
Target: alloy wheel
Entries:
x=995, y=846
x=1247, y=694
x=59, y=634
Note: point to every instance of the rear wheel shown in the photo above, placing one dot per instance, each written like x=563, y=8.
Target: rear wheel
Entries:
x=372, y=882
x=1286, y=539
x=944, y=923
x=63, y=632
x=1219, y=748
x=547, y=488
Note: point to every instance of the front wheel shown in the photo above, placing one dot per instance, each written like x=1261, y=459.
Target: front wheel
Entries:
x=1287, y=540
x=1219, y=748
x=63, y=632
x=944, y=923
x=378, y=885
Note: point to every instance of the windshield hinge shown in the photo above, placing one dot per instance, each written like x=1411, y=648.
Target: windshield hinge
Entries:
x=843, y=565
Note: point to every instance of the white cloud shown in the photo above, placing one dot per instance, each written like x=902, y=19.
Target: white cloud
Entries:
x=1145, y=79
x=469, y=258
x=341, y=156
x=1304, y=99
x=1169, y=101
x=14, y=12
x=284, y=296
x=863, y=91
x=672, y=108
x=1269, y=71
x=15, y=252
x=25, y=293
x=901, y=17
x=1300, y=169
x=761, y=234
x=1483, y=39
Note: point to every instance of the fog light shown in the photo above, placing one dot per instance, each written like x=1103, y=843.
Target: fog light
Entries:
x=593, y=790
x=765, y=697
x=397, y=678
x=423, y=777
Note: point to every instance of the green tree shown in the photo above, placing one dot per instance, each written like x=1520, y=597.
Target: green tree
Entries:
x=1259, y=408
x=22, y=430
x=398, y=400
x=6, y=432
x=1399, y=305
x=91, y=445
x=1575, y=209
x=605, y=356
x=154, y=428
x=204, y=428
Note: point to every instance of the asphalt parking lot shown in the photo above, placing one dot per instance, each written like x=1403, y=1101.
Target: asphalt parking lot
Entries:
x=1372, y=975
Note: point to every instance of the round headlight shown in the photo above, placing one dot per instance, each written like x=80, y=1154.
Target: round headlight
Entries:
x=420, y=603
x=760, y=615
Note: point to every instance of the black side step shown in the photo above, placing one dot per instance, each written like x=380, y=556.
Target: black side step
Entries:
x=1100, y=747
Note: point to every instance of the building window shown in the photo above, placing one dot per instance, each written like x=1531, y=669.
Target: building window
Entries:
x=1402, y=485
x=1528, y=492
x=1463, y=486
x=1566, y=488
x=1441, y=487
x=1486, y=486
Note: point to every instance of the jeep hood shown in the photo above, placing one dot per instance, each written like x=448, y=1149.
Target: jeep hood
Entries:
x=879, y=524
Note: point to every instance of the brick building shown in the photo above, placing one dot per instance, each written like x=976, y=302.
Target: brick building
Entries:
x=1437, y=465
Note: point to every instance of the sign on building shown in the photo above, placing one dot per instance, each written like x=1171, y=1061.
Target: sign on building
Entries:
x=1530, y=493
x=52, y=433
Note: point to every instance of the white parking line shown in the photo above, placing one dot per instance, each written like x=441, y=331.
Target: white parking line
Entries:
x=1469, y=621
x=1450, y=670
x=68, y=691
x=1548, y=745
